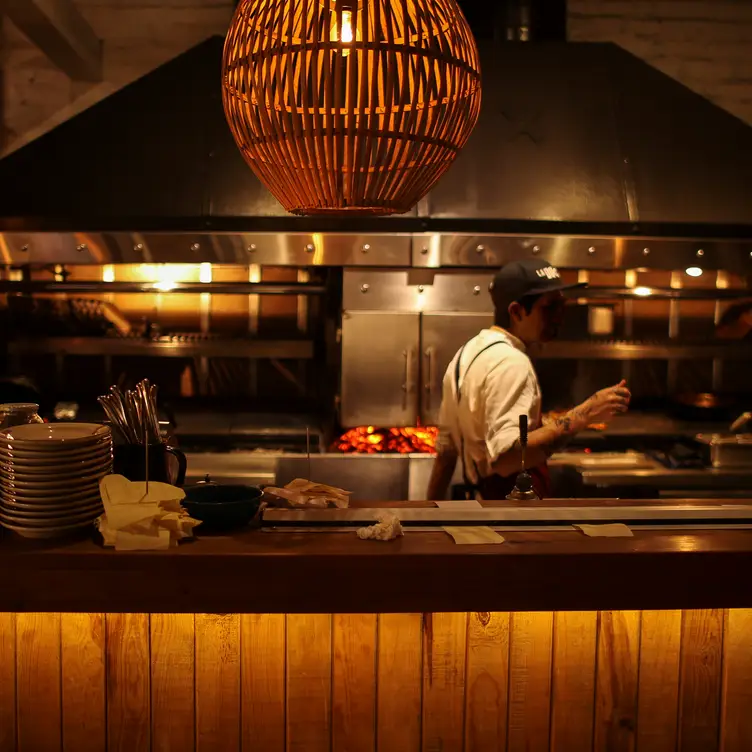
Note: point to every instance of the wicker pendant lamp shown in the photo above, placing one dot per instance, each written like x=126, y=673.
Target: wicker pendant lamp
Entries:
x=350, y=105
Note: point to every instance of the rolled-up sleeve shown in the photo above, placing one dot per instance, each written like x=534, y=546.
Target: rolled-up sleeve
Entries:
x=509, y=391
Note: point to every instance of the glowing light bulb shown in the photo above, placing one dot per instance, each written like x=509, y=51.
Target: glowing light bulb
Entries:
x=347, y=32
x=346, y=35
x=694, y=271
x=643, y=292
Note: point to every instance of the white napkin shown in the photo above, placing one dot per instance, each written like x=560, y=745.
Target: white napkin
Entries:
x=387, y=528
x=136, y=521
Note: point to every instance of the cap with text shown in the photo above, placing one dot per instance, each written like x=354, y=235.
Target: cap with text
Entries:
x=521, y=279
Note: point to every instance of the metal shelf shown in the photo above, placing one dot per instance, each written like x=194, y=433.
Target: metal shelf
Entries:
x=222, y=288
x=166, y=347
x=635, y=350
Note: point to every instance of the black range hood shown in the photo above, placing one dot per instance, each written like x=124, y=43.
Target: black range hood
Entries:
x=575, y=138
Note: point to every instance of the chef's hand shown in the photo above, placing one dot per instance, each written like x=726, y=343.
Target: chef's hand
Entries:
x=603, y=405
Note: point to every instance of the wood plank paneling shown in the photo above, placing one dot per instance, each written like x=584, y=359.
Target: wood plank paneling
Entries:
x=217, y=682
x=736, y=720
x=128, y=692
x=444, y=641
x=573, y=691
x=309, y=682
x=658, y=689
x=487, y=682
x=530, y=644
x=262, y=660
x=616, y=681
x=399, y=682
x=7, y=682
x=84, y=689
x=38, y=682
x=173, y=722
x=701, y=671
x=354, y=683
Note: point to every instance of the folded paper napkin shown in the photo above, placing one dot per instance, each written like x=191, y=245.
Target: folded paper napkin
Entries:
x=305, y=493
x=387, y=528
x=136, y=521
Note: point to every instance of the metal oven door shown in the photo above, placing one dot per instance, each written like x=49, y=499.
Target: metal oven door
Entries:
x=379, y=368
x=442, y=335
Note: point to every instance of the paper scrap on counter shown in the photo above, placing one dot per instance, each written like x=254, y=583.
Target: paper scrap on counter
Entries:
x=305, y=493
x=459, y=506
x=465, y=534
x=135, y=520
x=387, y=528
x=611, y=530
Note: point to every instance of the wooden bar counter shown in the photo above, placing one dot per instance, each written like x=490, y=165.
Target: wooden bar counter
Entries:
x=319, y=641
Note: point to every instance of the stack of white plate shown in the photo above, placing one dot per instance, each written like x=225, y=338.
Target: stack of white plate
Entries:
x=49, y=477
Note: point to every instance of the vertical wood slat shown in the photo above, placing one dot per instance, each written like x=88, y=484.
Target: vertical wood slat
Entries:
x=616, y=681
x=573, y=691
x=700, y=690
x=444, y=643
x=38, y=682
x=530, y=644
x=172, y=682
x=658, y=689
x=262, y=662
x=354, y=683
x=736, y=714
x=399, y=682
x=487, y=682
x=217, y=682
x=7, y=682
x=84, y=706
x=309, y=682
x=128, y=690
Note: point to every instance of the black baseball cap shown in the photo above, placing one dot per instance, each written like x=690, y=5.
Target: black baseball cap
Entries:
x=521, y=279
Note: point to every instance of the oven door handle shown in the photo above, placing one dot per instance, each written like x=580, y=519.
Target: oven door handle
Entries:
x=408, y=384
x=430, y=376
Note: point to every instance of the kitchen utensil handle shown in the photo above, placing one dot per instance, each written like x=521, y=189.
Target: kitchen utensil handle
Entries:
x=182, y=464
x=523, y=430
x=406, y=354
x=429, y=376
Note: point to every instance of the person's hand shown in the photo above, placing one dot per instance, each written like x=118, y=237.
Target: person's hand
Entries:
x=603, y=405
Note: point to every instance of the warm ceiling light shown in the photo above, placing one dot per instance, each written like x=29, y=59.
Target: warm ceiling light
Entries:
x=694, y=271
x=350, y=107
x=643, y=292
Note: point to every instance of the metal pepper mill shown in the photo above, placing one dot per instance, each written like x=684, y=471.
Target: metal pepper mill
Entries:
x=523, y=487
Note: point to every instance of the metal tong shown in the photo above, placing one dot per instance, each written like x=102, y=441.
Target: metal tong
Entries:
x=133, y=413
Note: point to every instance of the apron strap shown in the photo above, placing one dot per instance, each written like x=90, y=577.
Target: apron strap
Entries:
x=469, y=486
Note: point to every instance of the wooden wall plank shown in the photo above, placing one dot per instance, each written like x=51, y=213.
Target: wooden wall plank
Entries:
x=217, y=682
x=262, y=661
x=700, y=689
x=530, y=644
x=354, y=683
x=128, y=712
x=84, y=704
x=444, y=645
x=616, y=681
x=487, y=682
x=658, y=689
x=573, y=691
x=736, y=713
x=309, y=682
x=7, y=682
x=38, y=682
x=173, y=723
x=400, y=688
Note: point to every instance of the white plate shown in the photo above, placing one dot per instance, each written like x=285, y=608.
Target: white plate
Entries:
x=45, y=532
x=53, y=436
x=61, y=497
x=34, y=459
x=23, y=509
x=65, y=519
x=55, y=513
x=52, y=475
x=34, y=485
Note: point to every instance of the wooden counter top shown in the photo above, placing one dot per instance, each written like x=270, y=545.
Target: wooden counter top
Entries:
x=280, y=572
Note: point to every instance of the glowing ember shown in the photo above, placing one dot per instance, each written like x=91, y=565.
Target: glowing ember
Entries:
x=376, y=440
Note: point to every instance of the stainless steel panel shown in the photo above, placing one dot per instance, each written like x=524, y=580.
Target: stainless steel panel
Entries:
x=419, y=290
x=442, y=334
x=379, y=368
x=730, y=451
x=369, y=477
x=421, y=466
x=278, y=249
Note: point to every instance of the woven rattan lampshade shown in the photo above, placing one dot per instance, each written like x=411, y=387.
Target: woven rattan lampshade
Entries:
x=350, y=105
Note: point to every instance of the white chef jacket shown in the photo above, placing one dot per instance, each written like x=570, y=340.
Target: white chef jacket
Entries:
x=499, y=386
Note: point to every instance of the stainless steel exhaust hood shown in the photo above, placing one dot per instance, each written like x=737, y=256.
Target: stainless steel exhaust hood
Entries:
x=573, y=138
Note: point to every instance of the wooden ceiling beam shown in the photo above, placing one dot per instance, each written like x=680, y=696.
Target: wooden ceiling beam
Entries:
x=61, y=32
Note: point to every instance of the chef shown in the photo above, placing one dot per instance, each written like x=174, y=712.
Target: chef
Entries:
x=491, y=382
